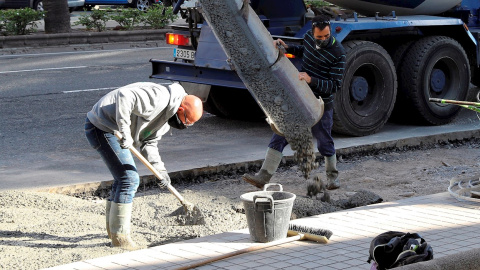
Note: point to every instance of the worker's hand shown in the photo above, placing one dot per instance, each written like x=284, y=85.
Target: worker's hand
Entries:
x=164, y=179
x=304, y=76
x=126, y=141
x=277, y=43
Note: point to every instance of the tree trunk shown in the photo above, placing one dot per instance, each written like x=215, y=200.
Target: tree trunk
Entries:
x=57, y=17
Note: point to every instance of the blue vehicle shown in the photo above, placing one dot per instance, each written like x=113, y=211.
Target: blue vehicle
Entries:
x=399, y=54
x=37, y=4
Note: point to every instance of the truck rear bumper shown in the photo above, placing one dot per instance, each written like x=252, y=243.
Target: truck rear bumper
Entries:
x=184, y=72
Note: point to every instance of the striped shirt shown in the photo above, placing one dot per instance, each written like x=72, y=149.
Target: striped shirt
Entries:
x=325, y=66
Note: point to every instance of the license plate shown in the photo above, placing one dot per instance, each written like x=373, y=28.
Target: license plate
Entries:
x=184, y=54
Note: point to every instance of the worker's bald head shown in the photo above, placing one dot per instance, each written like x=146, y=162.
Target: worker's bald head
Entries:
x=193, y=107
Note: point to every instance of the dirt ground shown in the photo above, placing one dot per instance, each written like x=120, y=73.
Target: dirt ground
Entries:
x=40, y=230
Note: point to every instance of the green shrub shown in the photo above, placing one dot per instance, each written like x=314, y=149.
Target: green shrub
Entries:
x=128, y=18
x=97, y=19
x=316, y=4
x=156, y=18
x=20, y=21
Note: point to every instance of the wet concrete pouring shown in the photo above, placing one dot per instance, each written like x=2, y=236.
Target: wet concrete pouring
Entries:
x=43, y=230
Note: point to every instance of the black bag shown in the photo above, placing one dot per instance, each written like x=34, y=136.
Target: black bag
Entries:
x=392, y=249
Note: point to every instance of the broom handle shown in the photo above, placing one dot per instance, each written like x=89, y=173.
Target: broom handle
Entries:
x=245, y=250
x=457, y=102
x=151, y=168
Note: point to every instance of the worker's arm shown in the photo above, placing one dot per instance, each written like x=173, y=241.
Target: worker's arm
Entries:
x=125, y=105
x=296, y=50
x=149, y=150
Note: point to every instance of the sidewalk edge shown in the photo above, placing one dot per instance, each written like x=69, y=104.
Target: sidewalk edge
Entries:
x=10, y=42
x=101, y=188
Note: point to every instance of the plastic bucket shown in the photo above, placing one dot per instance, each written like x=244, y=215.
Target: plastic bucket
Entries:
x=268, y=213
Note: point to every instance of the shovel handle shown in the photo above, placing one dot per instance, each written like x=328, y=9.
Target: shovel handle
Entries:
x=151, y=168
x=456, y=102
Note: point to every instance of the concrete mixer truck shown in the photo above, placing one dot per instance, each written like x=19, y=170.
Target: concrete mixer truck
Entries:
x=399, y=54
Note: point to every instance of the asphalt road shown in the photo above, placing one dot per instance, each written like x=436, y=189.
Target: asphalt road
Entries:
x=45, y=94
x=44, y=98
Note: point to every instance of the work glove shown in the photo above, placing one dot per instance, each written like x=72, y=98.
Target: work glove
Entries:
x=164, y=179
x=126, y=141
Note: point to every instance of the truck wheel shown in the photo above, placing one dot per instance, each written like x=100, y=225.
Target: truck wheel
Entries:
x=398, y=54
x=369, y=89
x=434, y=67
x=234, y=103
x=210, y=107
x=475, y=76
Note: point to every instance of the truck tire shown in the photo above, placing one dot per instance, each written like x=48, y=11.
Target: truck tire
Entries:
x=233, y=103
x=398, y=54
x=369, y=90
x=210, y=107
x=475, y=76
x=434, y=67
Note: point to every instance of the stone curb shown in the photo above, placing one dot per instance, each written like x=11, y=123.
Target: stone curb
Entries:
x=42, y=40
x=102, y=187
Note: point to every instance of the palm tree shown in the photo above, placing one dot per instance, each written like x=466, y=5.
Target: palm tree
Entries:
x=57, y=17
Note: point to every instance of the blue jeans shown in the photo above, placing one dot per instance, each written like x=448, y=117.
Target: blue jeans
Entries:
x=118, y=160
x=322, y=131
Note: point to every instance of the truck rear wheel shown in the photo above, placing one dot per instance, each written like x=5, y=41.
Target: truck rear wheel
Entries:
x=369, y=89
x=434, y=67
x=398, y=54
x=233, y=103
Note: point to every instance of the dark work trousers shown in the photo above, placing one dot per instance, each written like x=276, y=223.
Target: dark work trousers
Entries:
x=322, y=131
x=118, y=160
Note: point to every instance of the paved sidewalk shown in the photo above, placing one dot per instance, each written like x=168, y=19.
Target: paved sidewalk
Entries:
x=449, y=225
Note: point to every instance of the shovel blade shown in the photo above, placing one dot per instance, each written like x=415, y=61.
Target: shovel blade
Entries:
x=188, y=214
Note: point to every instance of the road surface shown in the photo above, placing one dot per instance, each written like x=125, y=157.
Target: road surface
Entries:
x=45, y=95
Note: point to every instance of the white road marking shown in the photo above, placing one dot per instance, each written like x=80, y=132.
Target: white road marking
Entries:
x=88, y=90
x=41, y=69
x=77, y=52
x=96, y=89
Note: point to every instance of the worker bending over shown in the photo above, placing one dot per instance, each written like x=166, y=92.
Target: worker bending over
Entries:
x=142, y=112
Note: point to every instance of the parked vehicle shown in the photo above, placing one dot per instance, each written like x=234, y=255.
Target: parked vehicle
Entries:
x=394, y=63
x=37, y=4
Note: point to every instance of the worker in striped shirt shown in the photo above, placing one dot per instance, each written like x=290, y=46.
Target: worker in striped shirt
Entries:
x=322, y=68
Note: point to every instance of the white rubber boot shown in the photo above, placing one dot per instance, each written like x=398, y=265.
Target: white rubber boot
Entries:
x=107, y=217
x=332, y=172
x=269, y=167
x=120, y=217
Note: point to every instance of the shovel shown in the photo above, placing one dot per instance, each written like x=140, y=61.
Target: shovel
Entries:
x=193, y=215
